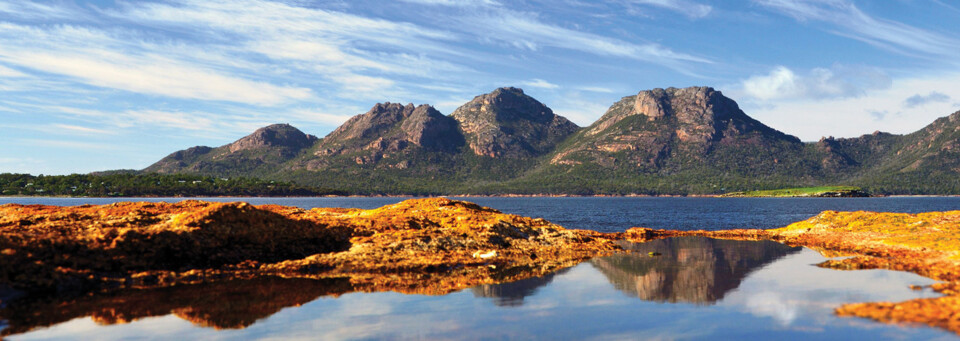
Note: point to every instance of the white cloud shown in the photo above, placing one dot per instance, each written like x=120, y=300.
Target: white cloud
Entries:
x=837, y=82
x=156, y=76
x=688, y=8
x=596, y=89
x=80, y=129
x=96, y=58
x=920, y=100
x=880, y=109
x=539, y=83
x=887, y=34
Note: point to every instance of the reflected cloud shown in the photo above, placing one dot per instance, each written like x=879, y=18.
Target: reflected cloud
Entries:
x=773, y=305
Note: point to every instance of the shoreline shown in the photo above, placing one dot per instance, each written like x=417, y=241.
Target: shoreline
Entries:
x=720, y=196
x=426, y=246
x=498, y=196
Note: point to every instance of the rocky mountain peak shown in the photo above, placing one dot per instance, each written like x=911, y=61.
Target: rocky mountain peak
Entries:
x=276, y=135
x=507, y=122
x=380, y=118
x=387, y=132
x=430, y=129
x=687, y=104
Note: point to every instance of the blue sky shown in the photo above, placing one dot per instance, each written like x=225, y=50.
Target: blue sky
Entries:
x=96, y=85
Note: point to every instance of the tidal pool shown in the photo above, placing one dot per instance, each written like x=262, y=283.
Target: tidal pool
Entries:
x=677, y=288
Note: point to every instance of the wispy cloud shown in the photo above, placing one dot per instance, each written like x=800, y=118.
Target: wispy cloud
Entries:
x=688, y=8
x=81, y=129
x=920, y=100
x=70, y=144
x=539, y=83
x=37, y=10
x=596, y=89
x=320, y=116
x=888, y=34
x=96, y=58
x=525, y=30
x=838, y=81
x=8, y=72
x=455, y=3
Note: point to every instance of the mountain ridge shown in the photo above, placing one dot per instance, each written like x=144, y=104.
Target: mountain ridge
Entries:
x=690, y=140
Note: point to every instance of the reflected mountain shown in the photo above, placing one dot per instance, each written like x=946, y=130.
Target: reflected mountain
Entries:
x=221, y=305
x=511, y=294
x=687, y=269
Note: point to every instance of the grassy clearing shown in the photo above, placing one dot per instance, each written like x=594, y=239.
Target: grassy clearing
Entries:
x=822, y=191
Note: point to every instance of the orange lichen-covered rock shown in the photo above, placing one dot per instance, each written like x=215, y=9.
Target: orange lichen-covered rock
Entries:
x=156, y=244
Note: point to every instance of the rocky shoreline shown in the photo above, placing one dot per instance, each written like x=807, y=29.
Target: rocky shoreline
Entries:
x=423, y=246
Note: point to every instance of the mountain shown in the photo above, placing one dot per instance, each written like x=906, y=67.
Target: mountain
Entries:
x=664, y=130
x=266, y=148
x=662, y=141
x=508, y=123
x=387, y=132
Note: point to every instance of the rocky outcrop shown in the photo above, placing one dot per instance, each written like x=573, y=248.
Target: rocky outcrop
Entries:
x=81, y=248
x=508, y=123
x=152, y=259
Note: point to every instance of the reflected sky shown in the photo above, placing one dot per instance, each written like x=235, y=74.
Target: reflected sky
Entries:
x=777, y=292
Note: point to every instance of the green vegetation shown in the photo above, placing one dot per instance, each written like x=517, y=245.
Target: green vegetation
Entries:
x=126, y=184
x=822, y=191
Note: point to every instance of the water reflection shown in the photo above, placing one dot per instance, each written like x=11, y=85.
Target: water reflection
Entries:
x=692, y=269
x=743, y=290
x=219, y=305
x=511, y=294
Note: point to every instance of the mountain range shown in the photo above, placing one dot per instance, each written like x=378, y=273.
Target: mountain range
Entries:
x=662, y=141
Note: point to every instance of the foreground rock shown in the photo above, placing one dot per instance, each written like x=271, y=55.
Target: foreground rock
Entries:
x=51, y=255
x=396, y=247
x=927, y=244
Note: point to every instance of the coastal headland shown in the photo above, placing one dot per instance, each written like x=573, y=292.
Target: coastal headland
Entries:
x=424, y=246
